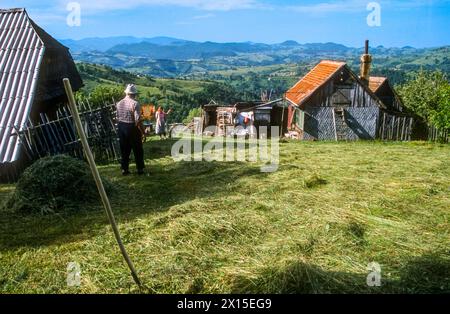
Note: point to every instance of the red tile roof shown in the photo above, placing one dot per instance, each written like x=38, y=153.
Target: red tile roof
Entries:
x=313, y=80
x=375, y=82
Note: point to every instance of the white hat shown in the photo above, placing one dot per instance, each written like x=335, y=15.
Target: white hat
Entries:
x=131, y=89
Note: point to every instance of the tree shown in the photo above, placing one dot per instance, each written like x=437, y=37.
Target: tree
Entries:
x=193, y=113
x=103, y=94
x=441, y=116
x=428, y=96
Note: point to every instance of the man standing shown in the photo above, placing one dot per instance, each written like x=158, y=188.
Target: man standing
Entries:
x=130, y=134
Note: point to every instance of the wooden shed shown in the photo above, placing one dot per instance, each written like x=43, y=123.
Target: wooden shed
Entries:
x=32, y=66
x=257, y=113
x=331, y=102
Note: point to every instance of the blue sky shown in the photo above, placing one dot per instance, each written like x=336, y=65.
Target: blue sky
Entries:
x=422, y=23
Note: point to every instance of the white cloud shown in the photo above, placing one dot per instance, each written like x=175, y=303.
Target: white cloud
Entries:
x=96, y=6
x=331, y=7
x=46, y=17
x=341, y=6
x=204, y=16
x=184, y=23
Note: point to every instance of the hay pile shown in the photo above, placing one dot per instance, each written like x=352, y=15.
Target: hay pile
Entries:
x=55, y=184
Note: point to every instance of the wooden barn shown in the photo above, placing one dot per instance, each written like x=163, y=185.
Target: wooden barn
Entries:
x=32, y=66
x=331, y=102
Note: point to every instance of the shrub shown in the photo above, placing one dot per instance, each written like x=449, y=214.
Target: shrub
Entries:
x=194, y=113
x=55, y=184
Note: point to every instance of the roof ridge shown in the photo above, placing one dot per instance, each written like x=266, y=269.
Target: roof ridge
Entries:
x=332, y=61
x=13, y=10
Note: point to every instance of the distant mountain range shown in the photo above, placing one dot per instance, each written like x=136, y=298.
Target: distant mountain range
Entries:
x=106, y=43
x=138, y=46
x=171, y=57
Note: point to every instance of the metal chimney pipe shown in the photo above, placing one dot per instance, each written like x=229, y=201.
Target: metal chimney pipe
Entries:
x=366, y=62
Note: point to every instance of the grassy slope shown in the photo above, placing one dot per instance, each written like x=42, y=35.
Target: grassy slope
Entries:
x=225, y=227
x=154, y=87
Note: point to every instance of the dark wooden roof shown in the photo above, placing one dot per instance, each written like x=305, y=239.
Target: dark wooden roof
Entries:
x=32, y=66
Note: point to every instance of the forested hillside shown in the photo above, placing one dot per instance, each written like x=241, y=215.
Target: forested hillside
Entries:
x=169, y=57
x=102, y=83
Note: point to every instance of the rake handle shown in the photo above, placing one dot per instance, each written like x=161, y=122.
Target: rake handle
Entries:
x=98, y=180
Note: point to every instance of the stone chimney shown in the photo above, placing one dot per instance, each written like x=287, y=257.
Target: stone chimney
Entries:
x=366, y=63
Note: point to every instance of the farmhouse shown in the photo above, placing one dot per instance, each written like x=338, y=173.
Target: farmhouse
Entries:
x=223, y=119
x=32, y=66
x=333, y=103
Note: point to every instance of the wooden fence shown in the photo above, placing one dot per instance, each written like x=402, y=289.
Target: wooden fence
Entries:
x=395, y=128
x=438, y=135
x=58, y=136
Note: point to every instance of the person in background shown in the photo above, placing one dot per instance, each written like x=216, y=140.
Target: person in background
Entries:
x=130, y=134
x=161, y=116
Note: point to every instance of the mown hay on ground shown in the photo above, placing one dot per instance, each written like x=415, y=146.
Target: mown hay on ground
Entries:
x=55, y=184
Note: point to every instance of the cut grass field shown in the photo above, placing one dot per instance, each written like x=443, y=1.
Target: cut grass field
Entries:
x=198, y=227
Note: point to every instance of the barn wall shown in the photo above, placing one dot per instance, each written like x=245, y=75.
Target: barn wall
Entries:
x=362, y=123
x=387, y=95
x=342, y=85
x=343, y=91
x=319, y=124
x=321, y=98
x=362, y=98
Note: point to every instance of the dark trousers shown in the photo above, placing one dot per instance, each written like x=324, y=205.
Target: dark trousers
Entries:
x=130, y=139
